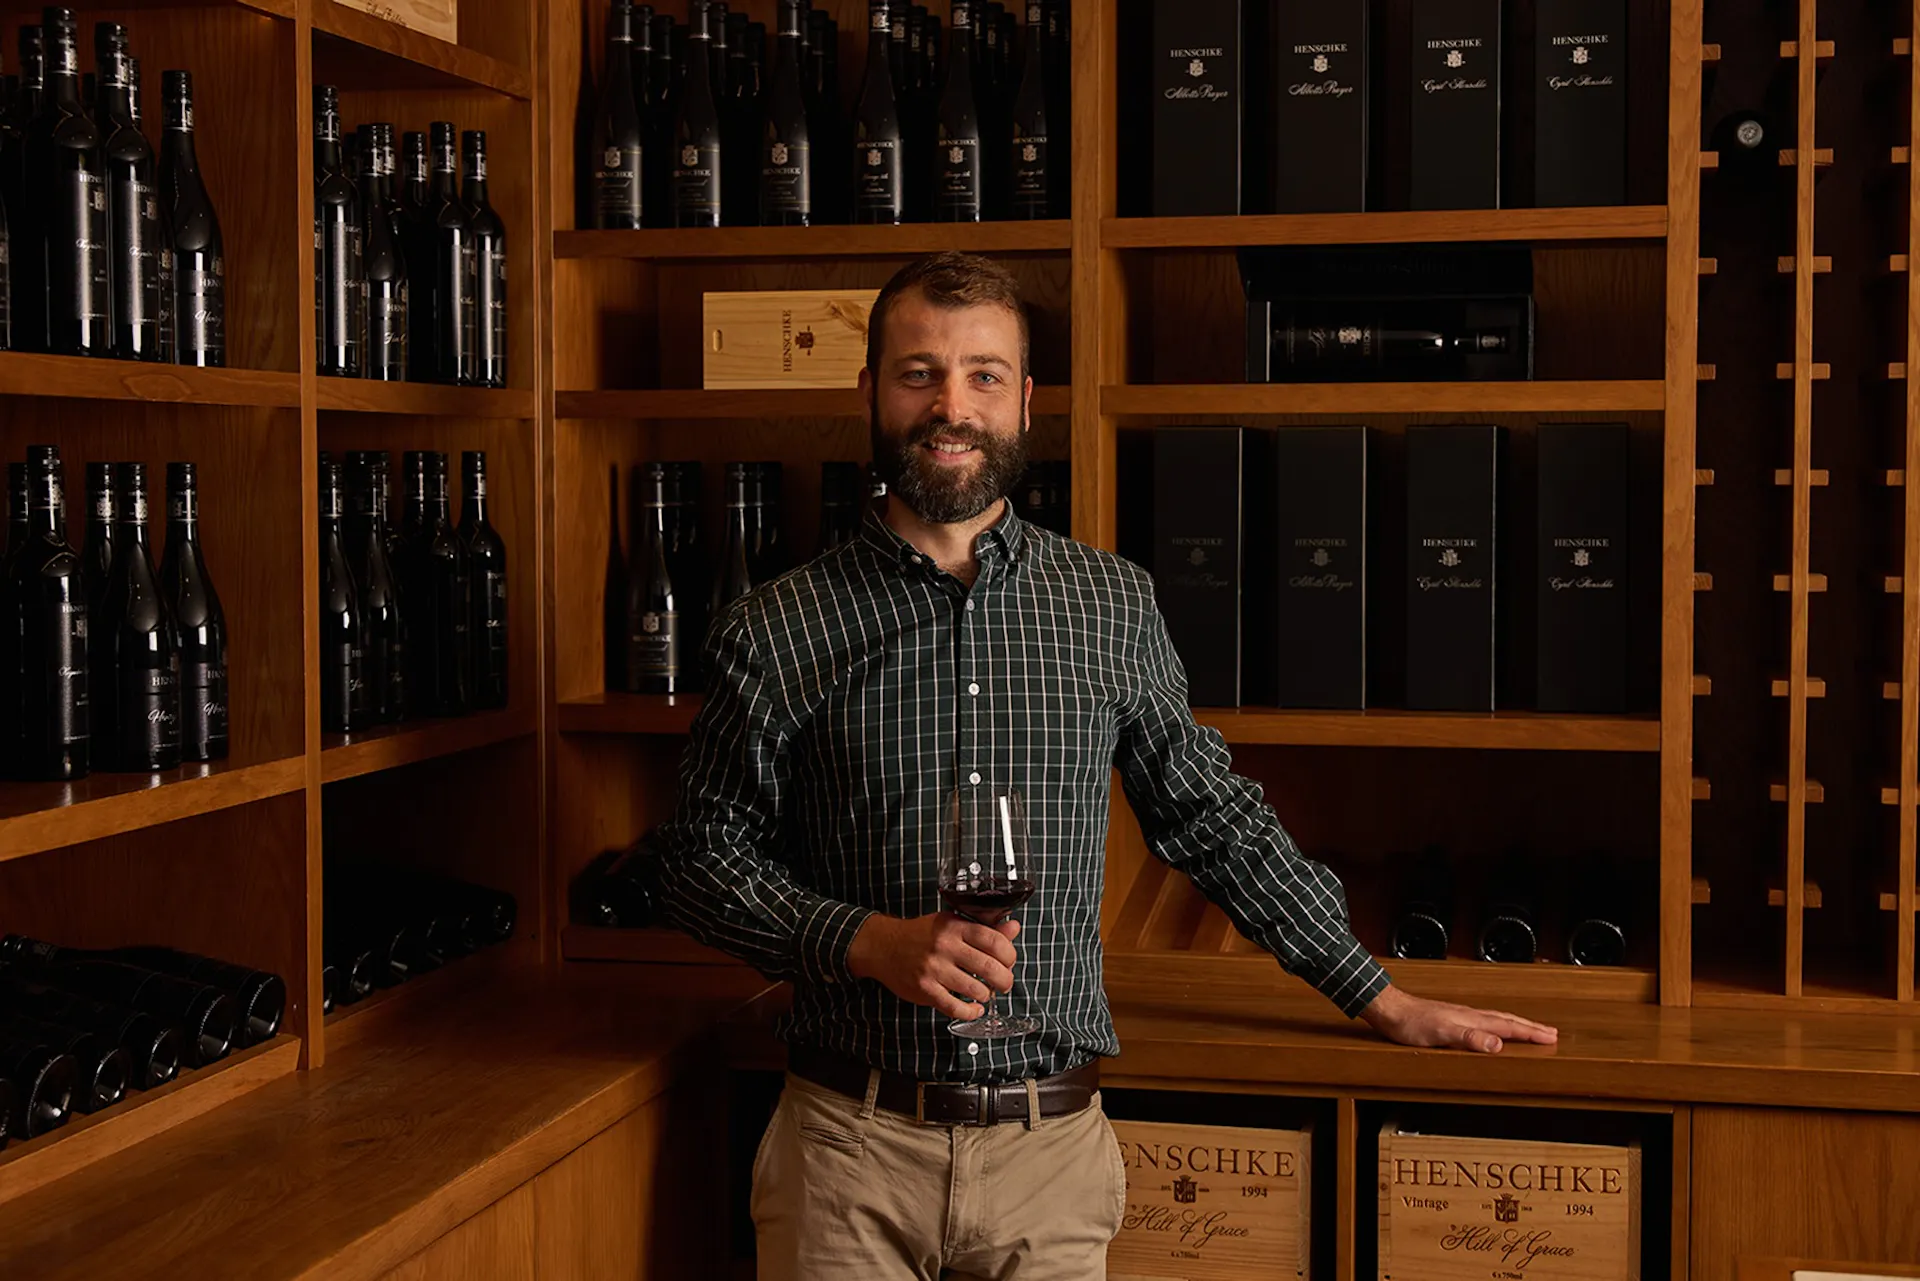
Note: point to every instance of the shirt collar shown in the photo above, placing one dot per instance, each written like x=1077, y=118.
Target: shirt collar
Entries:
x=1003, y=542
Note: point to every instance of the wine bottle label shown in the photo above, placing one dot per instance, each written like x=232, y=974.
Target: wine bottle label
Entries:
x=65, y=637
x=79, y=283
x=133, y=264
x=653, y=646
x=387, y=331
x=180, y=115
x=328, y=126
x=956, y=182
x=617, y=183
x=66, y=59
x=183, y=506
x=786, y=178
x=696, y=185
x=1027, y=175
x=149, y=718
x=1033, y=17
x=202, y=316
x=877, y=19
x=103, y=507
x=877, y=183
x=136, y=507
x=203, y=710
x=962, y=15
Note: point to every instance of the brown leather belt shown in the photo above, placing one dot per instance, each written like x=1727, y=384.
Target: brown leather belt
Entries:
x=947, y=1102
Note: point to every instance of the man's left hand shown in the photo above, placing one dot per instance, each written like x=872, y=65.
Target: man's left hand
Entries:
x=1410, y=1020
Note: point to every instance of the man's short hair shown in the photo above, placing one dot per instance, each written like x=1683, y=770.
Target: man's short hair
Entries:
x=950, y=280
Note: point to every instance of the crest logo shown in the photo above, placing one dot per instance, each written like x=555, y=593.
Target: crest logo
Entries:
x=1348, y=335
x=956, y=155
x=1580, y=55
x=1029, y=153
x=1449, y=557
x=1581, y=557
x=778, y=153
x=650, y=623
x=873, y=157
x=1185, y=1191
x=1455, y=58
x=611, y=158
x=1196, y=68
x=1320, y=62
x=804, y=340
x=1321, y=558
x=1506, y=1209
x=689, y=156
x=1196, y=557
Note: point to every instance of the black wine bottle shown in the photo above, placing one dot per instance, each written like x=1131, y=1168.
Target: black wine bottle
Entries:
x=733, y=576
x=382, y=645
x=199, y=255
x=686, y=556
x=696, y=132
x=486, y=584
x=160, y=236
x=618, y=131
x=658, y=161
x=198, y=620
x=613, y=594
x=842, y=503
x=140, y=730
x=48, y=590
x=343, y=685
x=1424, y=919
x=260, y=998
x=96, y=547
x=1597, y=918
x=489, y=237
x=413, y=179
x=786, y=153
x=739, y=127
x=67, y=177
x=355, y=970
x=1028, y=194
x=102, y=1071
x=767, y=521
x=16, y=510
x=43, y=1083
x=339, y=320
x=451, y=293
x=653, y=626
x=1748, y=144
x=419, y=227
x=155, y=1048
x=1379, y=341
x=384, y=267
x=133, y=202
x=612, y=892
x=879, y=191
x=1060, y=104
x=1510, y=921
x=207, y=1015
x=26, y=260
x=957, y=192
x=434, y=594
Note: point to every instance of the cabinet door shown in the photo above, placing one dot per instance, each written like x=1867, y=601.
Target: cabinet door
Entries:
x=494, y=1245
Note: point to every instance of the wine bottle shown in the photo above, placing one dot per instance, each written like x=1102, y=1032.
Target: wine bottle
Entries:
x=155, y=1048
x=767, y=509
x=661, y=115
x=1597, y=922
x=451, y=293
x=433, y=592
x=159, y=234
x=48, y=590
x=1381, y=341
x=613, y=594
x=1509, y=929
x=1424, y=918
x=1748, y=144
x=489, y=237
x=67, y=176
x=1028, y=195
x=384, y=266
x=382, y=645
x=487, y=584
x=419, y=227
x=198, y=620
x=842, y=503
x=140, y=729
x=696, y=132
x=102, y=1071
x=619, y=131
x=1060, y=103
x=733, y=577
x=356, y=971
x=414, y=183
x=16, y=509
x=739, y=165
x=957, y=194
x=133, y=203
x=786, y=153
x=260, y=998
x=878, y=191
x=96, y=548
x=653, y=617
x=43, y=1083
x=717, y=13
x=613, y=891
x=339, y=319
x=343, y=686
x=207, y=1016
x=26, y=230
x=199, y=256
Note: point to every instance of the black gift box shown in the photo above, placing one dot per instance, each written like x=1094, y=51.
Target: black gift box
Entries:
x=1320, y=108
x=1320, y=559
x=1581, y=558
x=1580, y=102
x=1197, y=104
x=1455, y=104
x=1453, y=488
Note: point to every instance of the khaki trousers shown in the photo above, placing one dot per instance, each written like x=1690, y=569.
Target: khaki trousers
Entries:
x=843, y=1191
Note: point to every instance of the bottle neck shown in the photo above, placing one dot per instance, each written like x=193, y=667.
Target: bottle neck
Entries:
x=442, y=183
x=183, y=515
x=326, y=140
x=33, y=73
x=473, y=500
x=473, y=187
x=63, y=72
x=131, y=519
x=879, y=38
x=46, y=504
x=116, y=89
x=179, y=131
x=1036, y=39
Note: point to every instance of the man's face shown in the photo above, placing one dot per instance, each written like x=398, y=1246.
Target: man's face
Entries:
x=948, y=408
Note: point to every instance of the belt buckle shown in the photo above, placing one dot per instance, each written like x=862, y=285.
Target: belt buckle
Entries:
x=919, y=1102
x=987, y=1110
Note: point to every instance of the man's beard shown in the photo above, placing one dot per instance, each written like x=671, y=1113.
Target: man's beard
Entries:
x=926, y=486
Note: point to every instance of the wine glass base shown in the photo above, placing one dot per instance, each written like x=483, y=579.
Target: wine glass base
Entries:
x=993, y=1026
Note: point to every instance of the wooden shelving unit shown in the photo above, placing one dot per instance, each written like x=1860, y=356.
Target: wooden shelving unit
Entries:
x=784, y=244
x=44, y=816
x=357, y=395
x=1629, y=222
x=30, y=374
x=357, y=50
x=1609, y=397
x=746, y=405
x=344, y=756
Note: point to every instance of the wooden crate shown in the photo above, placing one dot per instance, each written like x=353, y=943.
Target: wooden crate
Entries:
x=786, y=337
x=437, y=18
x=1212, y=1203
x=1469, y=1209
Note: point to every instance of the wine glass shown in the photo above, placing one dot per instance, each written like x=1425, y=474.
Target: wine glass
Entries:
x=985, y=874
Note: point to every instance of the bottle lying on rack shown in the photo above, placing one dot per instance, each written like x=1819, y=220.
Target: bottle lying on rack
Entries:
x=155, y=1048
x=102, y=1071
x=386, y=924
x=613, y=891
x=43, y=1084
x=208, y=1016
x=1415, y=340
x=261, y=998
x=1424, y=921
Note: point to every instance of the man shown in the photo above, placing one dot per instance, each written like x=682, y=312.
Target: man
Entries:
x=952, y=646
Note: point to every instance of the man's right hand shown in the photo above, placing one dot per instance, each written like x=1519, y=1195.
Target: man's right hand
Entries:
x=934, y=960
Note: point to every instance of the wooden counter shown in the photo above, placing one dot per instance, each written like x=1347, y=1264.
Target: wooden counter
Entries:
x=414, y=1129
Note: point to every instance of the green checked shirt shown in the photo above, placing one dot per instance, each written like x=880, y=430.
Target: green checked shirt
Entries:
x=850, y=696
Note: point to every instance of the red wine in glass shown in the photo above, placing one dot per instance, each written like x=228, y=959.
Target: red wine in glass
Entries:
x=986, y=902
x=985, y=876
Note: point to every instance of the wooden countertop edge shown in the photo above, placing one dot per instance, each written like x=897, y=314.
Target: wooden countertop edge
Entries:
x=380, y=1250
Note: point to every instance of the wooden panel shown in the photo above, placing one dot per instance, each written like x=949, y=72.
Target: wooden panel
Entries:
x=496, y=1244
x=43, y=816
x=388, y=746
x=1619, y=395
x=31, y=374
x=609, y=792
x=356, y=50
x=1792, y=1183
x=798, y=403
x=1909, y=685
x=785, y=243
x=1618, y=223
x=363, y=395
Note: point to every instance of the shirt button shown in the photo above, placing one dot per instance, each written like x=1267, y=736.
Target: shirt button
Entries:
x=969, y=607
x=974, y=778
x=973, y=689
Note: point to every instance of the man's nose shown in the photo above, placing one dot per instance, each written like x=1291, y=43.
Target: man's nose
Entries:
x=949, y=401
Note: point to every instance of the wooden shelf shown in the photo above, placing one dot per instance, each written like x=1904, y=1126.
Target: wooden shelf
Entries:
x=85, y=378
x=1627, y=222
x=1605, y=396
x=271, y=8
x=142, y=1115
x=382, y=1009
x=817, y=242
x=355, y=50
x=390, y=746
x=659, y=714
x=44, y=816
x=665, y=946
x=366, y=396
x=695, y=402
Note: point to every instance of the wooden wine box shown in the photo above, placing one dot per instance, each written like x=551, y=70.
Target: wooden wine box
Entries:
x=437, y=18
x=1212, y=1203
x=1473, y=1209
x=786, y=337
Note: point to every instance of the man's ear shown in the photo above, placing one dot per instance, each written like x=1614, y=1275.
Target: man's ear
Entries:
x=1026, y=404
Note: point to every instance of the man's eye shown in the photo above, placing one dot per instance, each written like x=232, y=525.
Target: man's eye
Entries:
x=919, y=375
x=986, y=377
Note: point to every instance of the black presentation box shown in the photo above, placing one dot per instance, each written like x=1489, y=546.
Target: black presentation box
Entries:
x=1455, y=104
x=1453, y=484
